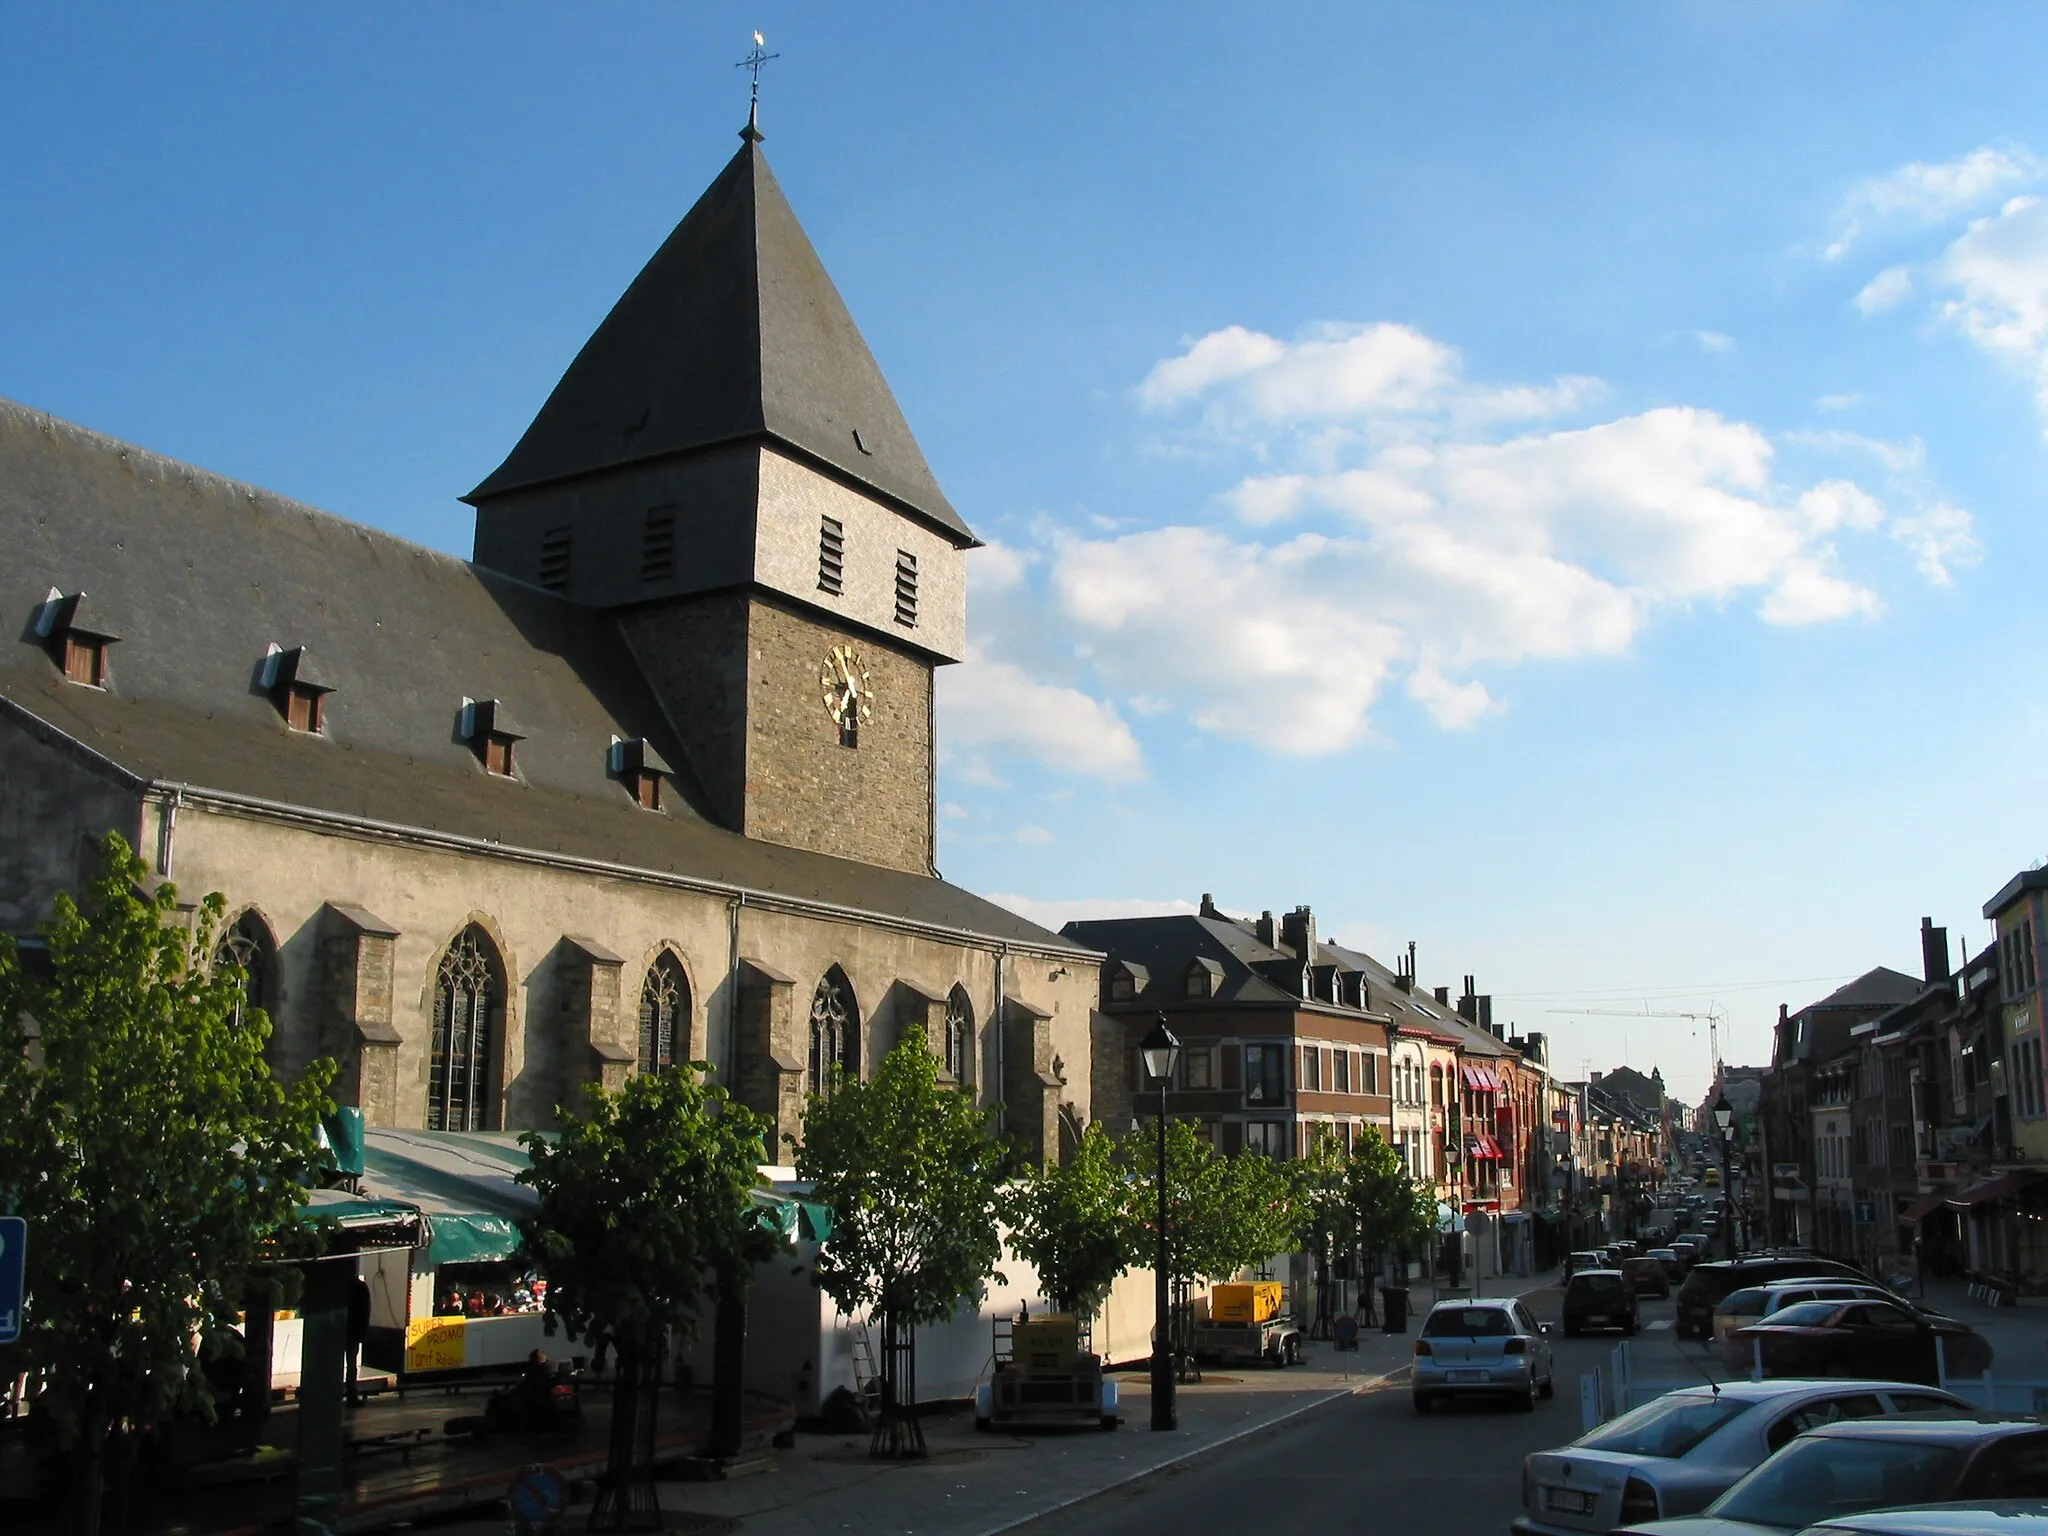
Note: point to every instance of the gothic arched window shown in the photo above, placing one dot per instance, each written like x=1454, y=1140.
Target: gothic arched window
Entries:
x=959, y=1041
x=249, y=944
x=835, y=1025
x=469, y=1003
x=664, y=1014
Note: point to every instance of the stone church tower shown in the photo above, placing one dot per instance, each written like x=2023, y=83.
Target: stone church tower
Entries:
x=724, y=468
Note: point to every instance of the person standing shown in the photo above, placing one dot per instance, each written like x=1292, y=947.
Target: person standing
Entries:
x=358, y=1333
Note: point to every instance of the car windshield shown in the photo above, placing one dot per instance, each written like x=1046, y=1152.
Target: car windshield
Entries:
x=1750, y=1300
x=1818, y=1477
x=1805, y=1314
x=1599, y=1284
x=1468, y=1323
x=1669, y=1427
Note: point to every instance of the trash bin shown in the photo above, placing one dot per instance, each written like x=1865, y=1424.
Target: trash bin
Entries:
x=1394, y=1303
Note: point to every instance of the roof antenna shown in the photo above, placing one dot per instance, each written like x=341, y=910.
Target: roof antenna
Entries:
x=752, y=63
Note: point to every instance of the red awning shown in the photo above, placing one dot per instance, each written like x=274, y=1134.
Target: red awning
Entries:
x=1483, y=1148
x=1480, y=1207
x=1481, y=1080
x=2004, y=1187
x=1924, y=1207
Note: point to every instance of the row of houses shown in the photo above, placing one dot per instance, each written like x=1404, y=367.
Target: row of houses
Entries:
x=1903, y=1120
x=1288, y=1036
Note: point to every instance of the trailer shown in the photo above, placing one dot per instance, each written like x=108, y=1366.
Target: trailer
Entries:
x=1245, y=1323
x=1044, y=1376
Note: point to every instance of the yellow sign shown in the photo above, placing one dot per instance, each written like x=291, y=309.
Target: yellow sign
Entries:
x=436, y=1343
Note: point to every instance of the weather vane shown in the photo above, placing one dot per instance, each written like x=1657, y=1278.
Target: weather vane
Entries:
x=753, y=63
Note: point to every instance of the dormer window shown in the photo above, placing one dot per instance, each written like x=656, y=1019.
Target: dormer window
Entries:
x=1202, y=978
x=299, y=692
x=640, y=768
x=1127, y=979
x=76, y=638
x=488, y=728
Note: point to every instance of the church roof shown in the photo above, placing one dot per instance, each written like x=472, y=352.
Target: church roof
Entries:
x=733, y=330
x=200, y=575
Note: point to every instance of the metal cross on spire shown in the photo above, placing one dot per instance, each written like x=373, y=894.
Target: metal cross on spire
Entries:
x=753, y=64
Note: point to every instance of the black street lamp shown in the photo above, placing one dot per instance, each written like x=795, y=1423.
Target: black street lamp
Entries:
x=1724, y=1117
x=1160, y=1052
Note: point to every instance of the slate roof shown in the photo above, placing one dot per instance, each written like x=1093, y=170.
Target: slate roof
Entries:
x=733, y=330
x=199, y=575
x=1881, y=987
x=1166, y=946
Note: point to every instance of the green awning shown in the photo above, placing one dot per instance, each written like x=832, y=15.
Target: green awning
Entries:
x=361, y=1223
x=344, y=1131
x=793, y=1216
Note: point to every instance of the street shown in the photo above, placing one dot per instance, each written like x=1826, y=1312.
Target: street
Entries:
x=1456, y=1472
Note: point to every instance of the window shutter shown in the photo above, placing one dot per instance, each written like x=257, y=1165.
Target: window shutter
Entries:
x=1233, y=1067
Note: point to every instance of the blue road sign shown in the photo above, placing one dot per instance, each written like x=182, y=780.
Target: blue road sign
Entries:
x=13, y=1269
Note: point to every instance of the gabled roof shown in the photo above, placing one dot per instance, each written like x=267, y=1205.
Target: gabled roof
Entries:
x=733, y=330
x=202, y=574
x=1165, y=947
x=1879, y=988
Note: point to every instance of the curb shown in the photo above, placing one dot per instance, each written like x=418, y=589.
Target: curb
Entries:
x=1337, y=1396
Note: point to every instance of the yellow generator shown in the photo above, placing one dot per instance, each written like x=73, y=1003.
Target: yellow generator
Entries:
x=1245, y=1321
x=1044, y=1375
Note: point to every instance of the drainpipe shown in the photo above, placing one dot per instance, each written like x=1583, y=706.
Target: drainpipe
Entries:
x=999, y=1085
x=732, y=993
x=167, y=831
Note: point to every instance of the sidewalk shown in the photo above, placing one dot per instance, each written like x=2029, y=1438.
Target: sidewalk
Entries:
x=981, y=1485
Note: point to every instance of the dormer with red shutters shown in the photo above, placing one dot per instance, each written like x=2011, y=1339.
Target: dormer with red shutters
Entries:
x=299, y=692
x=487, y=727
x=641, y=769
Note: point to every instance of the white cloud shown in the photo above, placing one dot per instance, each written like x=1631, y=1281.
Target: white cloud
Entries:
x=1996, y=275
x=1811, y=593
x=994, y=705
x=1055, y=913
x=952, y=811
x=1941, y=539
x=1889, y=289
x=1335, y=370
x=1033, y=836
x=1452, y=705
x=1714, y=341
x=1923, y=193
x=1838, y=402
x=995, y=567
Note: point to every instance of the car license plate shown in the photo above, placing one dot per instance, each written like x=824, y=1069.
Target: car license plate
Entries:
x=1467, y=1375
x=1596, y=1317
x=1568, y=1501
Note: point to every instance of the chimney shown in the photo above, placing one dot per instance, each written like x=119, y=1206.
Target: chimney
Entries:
x=1442, y=995
x=1468, y=1005
x=1933, y=952
x=1404, y=977
x=1534, y=1047
x=1485, y=1001
x=1298, y=933
x=1265, y=931
x=1209, y=906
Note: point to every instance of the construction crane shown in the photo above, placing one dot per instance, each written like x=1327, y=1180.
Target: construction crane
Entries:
x=1713, y=1016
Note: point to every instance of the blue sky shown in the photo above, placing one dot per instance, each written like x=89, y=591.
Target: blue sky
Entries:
x=1559, y=485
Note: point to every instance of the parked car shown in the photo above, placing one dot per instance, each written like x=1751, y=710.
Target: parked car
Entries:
x=1864, y=1337
x=1599, y=1298
x=1482, y=1348
x=1851, y=1468
x=1677, y=1454
x=1974, y=1517
x=1646, y=1273
x=1754, y=1303
x=1674, y=1266
x=1585, y=1258
x=1712, y=1280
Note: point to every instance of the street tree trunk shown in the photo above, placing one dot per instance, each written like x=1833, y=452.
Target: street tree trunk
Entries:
x=89, y=1471
x=899, y=1435
x=626, y=1499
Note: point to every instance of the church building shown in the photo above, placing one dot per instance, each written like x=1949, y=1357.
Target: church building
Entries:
x=650, y=778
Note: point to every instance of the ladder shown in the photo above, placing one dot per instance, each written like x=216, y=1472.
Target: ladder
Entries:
x=867, y=1377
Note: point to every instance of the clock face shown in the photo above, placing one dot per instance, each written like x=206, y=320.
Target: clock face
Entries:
x=844, y=682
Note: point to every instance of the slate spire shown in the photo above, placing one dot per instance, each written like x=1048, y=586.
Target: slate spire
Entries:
x=732, y=331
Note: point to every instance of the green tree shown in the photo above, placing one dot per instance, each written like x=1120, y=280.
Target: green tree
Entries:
x=1392, y=1213
x=156, y=1160
x=912, y=1174
x=1326, y=1225
x=645, y=1202
x=1072, y=1220
x=1223, y=1214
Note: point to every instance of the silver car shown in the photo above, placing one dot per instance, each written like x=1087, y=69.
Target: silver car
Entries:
x=1981, y=1517
x=1482, y=1348
x=1677, y=1454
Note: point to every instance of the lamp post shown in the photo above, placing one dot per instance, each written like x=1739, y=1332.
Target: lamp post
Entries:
x=1724, y=1117
x=1160, y=1052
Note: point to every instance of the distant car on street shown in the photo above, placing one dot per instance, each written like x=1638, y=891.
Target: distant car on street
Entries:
x=1599, y=1298
x=1674, y=1266
x=1677, y=1454
x=1482, y=1348
x=1863, y=1337
x=1584, y=1258
x=1847, y=1469
x=1646, y=1273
